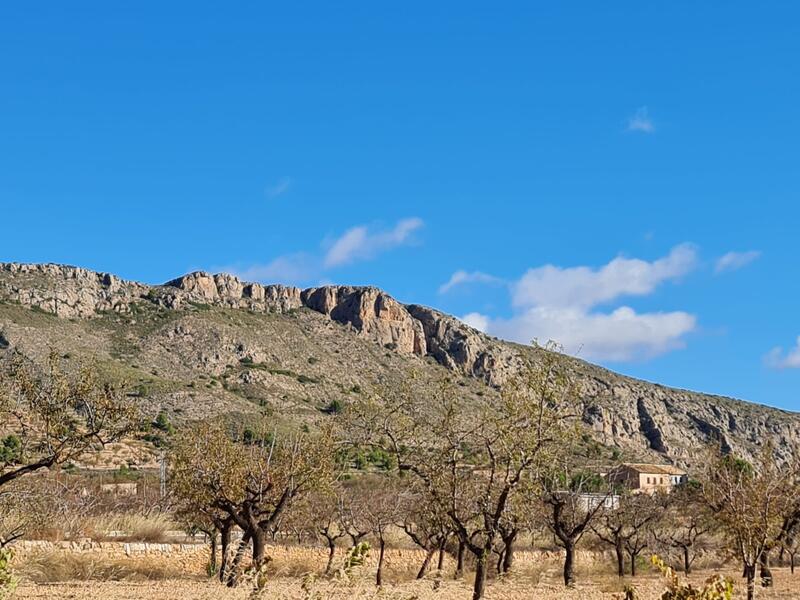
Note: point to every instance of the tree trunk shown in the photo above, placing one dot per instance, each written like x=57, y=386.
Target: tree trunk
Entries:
x=569, y=564
x=633, y=564
x=379, y=574
x=766, y=572
x=259, y=547
x=500, y=557
x=225, y=539
x=331, y=552
x=460, y=560
x=750, y=573
x=791, y=563
x=440, y=562
x=212, y=546
x=233, y=575
x=480, y=575
x=687, y=564
x=425, y=563
x=508, y=557
x=620, y=560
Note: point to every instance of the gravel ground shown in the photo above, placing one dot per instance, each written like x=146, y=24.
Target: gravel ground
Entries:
x=603, y=588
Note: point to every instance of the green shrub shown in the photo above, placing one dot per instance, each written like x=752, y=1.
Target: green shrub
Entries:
x=334, y=407
x=716, y=587
x=10, y=449
x=380, y=458
x=8, y=581
x=155, y=439
x=162, y=422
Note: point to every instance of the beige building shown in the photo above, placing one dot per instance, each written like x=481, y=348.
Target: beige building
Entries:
x=649, y=478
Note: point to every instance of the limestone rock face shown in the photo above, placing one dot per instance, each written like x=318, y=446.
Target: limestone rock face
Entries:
x=372, y=313
x=462, y=348
x=227, y=290
x=65, y=291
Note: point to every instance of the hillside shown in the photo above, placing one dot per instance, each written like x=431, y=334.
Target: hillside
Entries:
x=204, y=345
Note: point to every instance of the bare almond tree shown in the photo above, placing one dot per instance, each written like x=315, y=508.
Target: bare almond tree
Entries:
x=253, y=482
x=749, y=502
x=685, y=524
x=629, y=528
x=428, y=527
x=351, y=506
x=573, y=501
x=322, y=517
x=384, y=504
x=54, y=415
x=791, y=545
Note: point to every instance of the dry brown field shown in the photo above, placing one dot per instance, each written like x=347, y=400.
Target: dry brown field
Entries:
x=294, y=575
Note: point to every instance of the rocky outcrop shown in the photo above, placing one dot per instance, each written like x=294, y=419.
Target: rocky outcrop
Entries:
x=69, y=292
x=73, y=292
x=227, y=290
x=372, y=313
x=459, y=347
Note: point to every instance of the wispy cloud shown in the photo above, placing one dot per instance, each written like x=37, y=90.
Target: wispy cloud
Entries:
x=361, y=243
x=560, y=304
x=281, y=187
x=301, y=268
x=778, y=359
x=733, y=261
x=641, y=121
x=464, y=277
x=292, y=269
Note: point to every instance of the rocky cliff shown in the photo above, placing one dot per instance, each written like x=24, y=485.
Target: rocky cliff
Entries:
x=640, y=417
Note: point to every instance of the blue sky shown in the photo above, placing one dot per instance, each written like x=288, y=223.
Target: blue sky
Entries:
x=585, y=165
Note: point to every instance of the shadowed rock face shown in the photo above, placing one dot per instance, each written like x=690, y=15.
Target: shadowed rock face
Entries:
x=636, y=415
x=372, y=313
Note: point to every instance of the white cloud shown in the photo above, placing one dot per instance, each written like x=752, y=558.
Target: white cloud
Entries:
x=621, y=335
x=289, y=269
x=359, y=243
x=476, y=320
x=555, y=303
x=733, y=261
x=586, y=287
x=281, y=187
x=641, y=121
x=776, y=358
x=464, y=277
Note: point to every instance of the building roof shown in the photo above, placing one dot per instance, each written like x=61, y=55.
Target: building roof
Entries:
x=650, y=469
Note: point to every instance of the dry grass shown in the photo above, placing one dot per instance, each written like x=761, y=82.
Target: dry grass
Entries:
x=58, y=566
x=294, y=575
x=128, y=527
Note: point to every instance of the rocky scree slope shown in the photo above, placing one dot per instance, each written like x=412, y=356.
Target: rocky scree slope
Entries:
x=248, y=343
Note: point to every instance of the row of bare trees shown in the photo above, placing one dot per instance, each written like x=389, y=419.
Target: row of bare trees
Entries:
x=469, y=475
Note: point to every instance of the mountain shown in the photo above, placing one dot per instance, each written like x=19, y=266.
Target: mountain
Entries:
x=204, y=345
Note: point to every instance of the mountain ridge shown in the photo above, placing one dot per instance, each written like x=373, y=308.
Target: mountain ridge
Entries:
x=646, y=418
